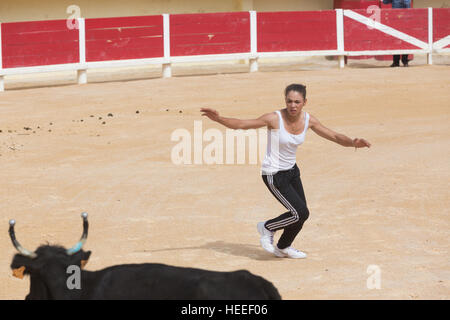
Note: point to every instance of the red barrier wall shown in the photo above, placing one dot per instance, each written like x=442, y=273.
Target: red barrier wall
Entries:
x=41, y=43
x=213, y=33
x=296, y=31
x=365, y=4
x=441, y=24
x=124, y=38
x=358, y=37
x=38, y=43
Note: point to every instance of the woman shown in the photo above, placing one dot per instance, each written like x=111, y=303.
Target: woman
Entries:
x=286, y=131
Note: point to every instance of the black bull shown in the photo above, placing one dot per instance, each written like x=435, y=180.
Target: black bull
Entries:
x=52, y=269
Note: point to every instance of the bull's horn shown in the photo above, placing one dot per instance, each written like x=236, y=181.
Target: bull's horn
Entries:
x=80, y=243
x=16, y=243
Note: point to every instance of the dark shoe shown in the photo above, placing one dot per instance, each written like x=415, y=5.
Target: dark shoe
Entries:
x=405, y=64
x=395, y=65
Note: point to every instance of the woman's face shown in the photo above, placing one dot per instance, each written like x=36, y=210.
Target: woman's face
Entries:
x=294, y=103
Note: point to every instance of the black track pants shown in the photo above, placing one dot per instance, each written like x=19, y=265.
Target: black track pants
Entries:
x=287, y=187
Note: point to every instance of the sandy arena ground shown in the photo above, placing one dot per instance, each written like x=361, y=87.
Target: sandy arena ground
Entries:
x=387, y=206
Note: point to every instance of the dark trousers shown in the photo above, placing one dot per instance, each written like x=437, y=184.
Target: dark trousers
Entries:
x=397, y=59
x=287, y=188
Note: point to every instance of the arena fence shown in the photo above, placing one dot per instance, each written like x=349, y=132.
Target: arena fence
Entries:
x=83, y=44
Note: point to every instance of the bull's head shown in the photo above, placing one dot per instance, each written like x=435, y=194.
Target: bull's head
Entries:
x=47, y=265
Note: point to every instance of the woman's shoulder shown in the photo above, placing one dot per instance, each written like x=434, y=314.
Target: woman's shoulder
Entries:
x=271, y=115
x=270, y=119
x=313, y=120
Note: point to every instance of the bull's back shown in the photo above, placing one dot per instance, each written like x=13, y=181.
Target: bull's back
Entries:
x=159, y=281
x=237, y=285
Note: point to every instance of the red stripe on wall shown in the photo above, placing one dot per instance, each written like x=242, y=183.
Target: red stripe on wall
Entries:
x=36, y=43
x=296, y=31
x=124, y=38
x=441, y=24
x=413, y=22
x=210, y=33
x=359, y=37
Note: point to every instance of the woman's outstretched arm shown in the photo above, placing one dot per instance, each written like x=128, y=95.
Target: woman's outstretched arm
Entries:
x=233, y=123
x=339, y=138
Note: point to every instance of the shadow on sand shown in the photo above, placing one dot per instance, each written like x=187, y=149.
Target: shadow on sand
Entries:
x=253, y=252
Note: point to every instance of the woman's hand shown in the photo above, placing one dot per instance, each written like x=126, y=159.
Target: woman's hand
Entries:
x=210, y=113
x=361, y=143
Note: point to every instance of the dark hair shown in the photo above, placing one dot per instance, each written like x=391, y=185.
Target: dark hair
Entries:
x=300, y=88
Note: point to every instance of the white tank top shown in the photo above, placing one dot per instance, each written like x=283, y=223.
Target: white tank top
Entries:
x=282, y=147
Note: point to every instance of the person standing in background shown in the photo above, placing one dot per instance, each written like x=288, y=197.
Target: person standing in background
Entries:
x=399, y=4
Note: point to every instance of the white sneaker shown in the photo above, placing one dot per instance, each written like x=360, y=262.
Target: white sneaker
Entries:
x=289, y=252
x=266, y=237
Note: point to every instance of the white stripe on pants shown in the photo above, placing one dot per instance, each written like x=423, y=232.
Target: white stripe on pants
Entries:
x=285, y=222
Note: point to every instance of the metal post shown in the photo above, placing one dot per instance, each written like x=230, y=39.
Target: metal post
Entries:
x=167, y=70
x=430, y=36
x=341, y=62
x=82, y=76
x=253, y=61
x=253, y=65
x=166, y=67
x=2, y=78
x=340, y=36
x=82, y=73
